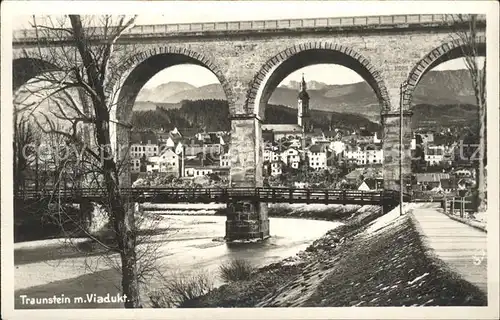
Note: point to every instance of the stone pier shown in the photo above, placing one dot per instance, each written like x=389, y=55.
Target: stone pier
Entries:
x=390, y=123
x=246, y=220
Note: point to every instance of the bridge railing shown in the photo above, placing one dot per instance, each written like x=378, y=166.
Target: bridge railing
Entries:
x=267, y=194
x=258, y=25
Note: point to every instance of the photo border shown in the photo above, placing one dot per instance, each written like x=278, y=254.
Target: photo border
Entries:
x=490, y=8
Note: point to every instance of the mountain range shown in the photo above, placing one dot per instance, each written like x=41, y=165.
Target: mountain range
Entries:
x=449, y=87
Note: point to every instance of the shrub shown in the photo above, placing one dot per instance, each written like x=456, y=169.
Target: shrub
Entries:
x=181, y=288
x=236, y=270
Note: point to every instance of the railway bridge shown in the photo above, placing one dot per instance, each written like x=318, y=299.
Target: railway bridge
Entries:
x=237, y=226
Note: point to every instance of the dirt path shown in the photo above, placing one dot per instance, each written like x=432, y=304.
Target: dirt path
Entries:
x=462, y=247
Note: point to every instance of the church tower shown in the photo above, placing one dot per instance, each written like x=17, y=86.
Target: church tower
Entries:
x=303, y=107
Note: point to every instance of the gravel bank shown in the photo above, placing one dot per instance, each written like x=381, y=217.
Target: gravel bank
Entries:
x=358, y=264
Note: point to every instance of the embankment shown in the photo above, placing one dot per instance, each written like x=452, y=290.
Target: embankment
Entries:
x=371, y=260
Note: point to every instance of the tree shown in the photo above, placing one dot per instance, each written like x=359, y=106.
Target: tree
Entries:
x=472, y=51
x=86, y=66
x=25, y=141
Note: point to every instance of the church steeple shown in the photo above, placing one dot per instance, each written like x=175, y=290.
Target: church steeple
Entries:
x=303, y=84
x=303, y=106
x=303, y=90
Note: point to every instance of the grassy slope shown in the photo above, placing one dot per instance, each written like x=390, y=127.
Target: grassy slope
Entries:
x=350, y=268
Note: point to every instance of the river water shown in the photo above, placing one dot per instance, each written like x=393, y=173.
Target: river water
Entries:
x=194, y=242
x=185, y=243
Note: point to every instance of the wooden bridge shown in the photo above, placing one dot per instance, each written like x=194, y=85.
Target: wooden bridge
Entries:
x=220, y=195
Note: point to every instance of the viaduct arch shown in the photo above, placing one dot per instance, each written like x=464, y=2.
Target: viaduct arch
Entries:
x=251, y=58
x=302, y=55
x=133, y=74
x=445, y=52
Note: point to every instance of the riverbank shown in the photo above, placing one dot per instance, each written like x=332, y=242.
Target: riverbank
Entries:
x=371, y=260
x=327, y=212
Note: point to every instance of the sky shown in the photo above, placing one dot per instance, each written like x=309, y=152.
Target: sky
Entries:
x=327, y=73
x=204, y=11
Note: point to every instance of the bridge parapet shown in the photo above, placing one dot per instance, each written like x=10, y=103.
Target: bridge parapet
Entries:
x=224, y=195
x=197, y=29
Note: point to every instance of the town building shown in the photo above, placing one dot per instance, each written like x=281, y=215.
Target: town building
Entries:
x=167, y=162
x=434, y=155
x=371, y=184
x=135, y=165
x=317, y=156
x=147, y=150
x=429, y=181
x=270, y=154
x=276, y=168
x=291, y=157
x=373, y=156
x=225, y=160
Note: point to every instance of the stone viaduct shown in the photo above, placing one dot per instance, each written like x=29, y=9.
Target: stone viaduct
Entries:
x=250, y=59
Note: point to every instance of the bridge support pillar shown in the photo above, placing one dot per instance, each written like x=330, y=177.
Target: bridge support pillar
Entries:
x=391, y=142
x=247, y=220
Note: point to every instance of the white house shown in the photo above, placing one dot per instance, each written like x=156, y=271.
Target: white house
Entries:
x=463, y=173
x=135, y=165
x=374, y=156
x=355, y=154
x=168, y=161
x=317, y=156
x=196, y=171
x=291, y=157
x=337, y=146
x=276, y=168
x=225, y=160
x=270, y=155
x=434, y=155
x=139, y=150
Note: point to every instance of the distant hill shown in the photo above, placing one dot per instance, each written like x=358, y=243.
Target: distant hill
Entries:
x=162, y=92
x=450, y=87
x=148, y=105
x=213, y=115
x=432, y=116
x=210, y=91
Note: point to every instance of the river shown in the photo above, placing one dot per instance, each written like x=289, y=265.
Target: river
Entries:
x=192, y=244
x=185, y=243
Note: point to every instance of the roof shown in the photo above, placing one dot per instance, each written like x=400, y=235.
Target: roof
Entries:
x=315, y=148
x=431, y=177
x=288, y=149
x=371, y=183
x=282, y=127
x=367, y=173
x=188, y=132
x=168, y=150
x=434, y=151
x=210, y=138
x=192, y=163
x=447, y=184
x=331, y=133
x=225, y=138
x=143, y=137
